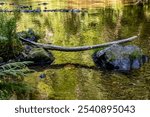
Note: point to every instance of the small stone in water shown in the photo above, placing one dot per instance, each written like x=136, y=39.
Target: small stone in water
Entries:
x=42, y=75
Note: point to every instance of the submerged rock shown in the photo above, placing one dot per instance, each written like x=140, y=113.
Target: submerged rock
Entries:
x=42, y=75
x=23, y=7
x=120, y=58
x=44, y=3
x=2, y=3
x=63, y=10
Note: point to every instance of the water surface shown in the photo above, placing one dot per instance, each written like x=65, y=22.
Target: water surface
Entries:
x=73, y=75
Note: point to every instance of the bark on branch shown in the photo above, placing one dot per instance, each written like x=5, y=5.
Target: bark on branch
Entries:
x=75, y=49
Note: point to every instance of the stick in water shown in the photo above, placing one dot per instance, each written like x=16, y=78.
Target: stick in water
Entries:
x=75, y=49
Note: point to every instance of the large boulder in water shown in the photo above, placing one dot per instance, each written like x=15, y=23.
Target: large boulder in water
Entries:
x=120, y=58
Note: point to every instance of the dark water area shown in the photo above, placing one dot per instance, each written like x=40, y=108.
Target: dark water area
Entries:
x=73, y=75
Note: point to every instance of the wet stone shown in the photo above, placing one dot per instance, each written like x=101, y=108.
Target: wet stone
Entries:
x=136, y=64
x=39, y=56
x=42, y=76
x=120, y=58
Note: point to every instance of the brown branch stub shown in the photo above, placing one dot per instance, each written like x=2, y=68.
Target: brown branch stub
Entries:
x=76, y=49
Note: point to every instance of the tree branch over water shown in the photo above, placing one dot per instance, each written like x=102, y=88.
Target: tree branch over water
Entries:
x=75, y=49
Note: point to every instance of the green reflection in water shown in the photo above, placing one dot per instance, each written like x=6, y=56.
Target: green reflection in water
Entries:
x=73, y=75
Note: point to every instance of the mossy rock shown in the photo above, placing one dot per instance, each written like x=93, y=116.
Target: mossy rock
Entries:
x=120, y=58
x=40, y=56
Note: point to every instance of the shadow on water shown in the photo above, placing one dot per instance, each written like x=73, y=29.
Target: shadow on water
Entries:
x=60, y=66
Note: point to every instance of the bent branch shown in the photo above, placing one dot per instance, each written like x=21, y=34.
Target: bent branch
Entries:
x=75, y=49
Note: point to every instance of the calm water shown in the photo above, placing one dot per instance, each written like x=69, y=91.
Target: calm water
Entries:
x=73, y=75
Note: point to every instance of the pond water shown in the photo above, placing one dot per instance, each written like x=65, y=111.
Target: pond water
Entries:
x=73, y=75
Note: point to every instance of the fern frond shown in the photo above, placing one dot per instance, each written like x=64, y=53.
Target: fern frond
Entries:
x=15, y=69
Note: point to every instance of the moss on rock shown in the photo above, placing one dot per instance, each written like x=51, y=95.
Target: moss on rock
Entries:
x=40, y=56
x=120, y=58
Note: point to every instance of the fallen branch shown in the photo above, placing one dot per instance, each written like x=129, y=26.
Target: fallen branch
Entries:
x=74, y=49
